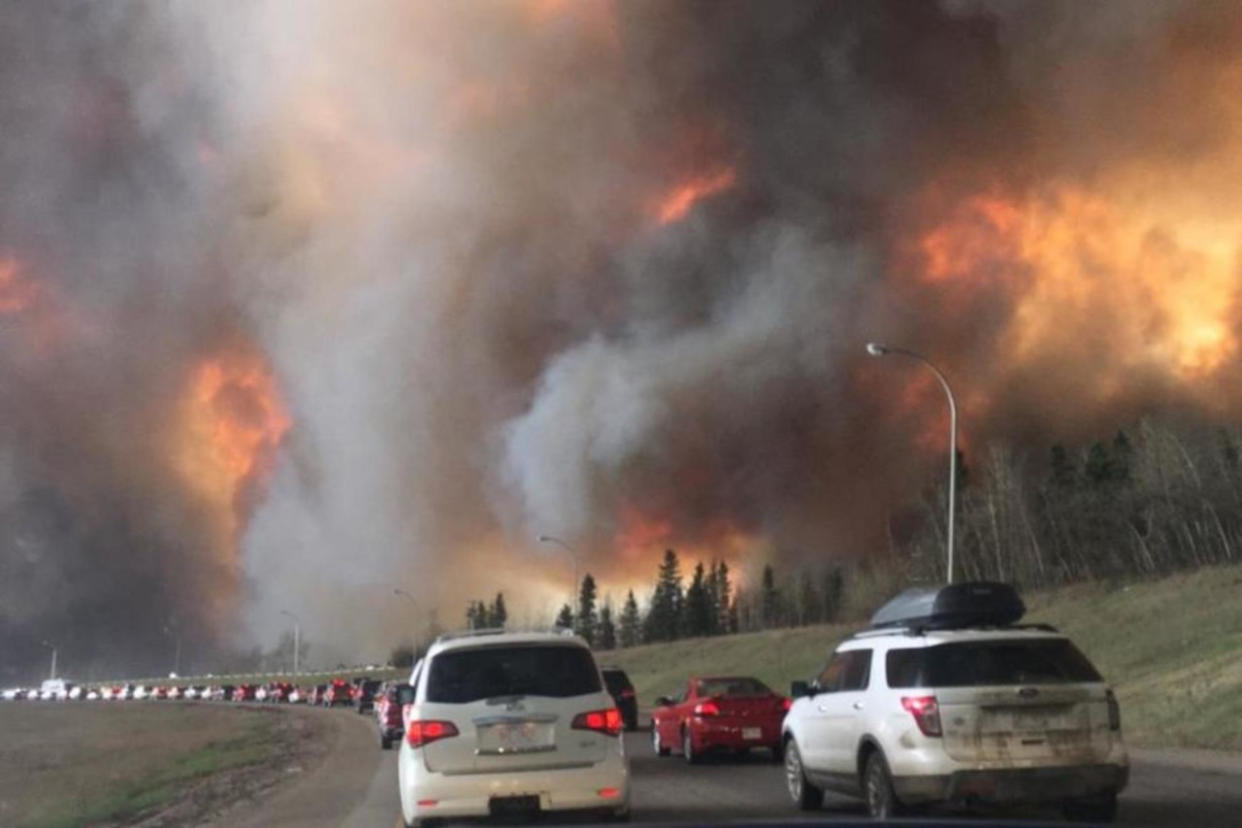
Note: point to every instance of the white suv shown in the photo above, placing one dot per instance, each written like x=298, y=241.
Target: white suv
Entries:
x=500, y=723
x=944, y=707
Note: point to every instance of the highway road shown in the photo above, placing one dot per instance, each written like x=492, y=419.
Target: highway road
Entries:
x=356, y=787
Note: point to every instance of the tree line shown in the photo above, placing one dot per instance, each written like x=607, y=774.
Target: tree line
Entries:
x=1150, y=500
x=1154, y=499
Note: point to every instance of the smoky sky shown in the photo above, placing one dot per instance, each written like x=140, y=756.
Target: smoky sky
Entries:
x=435, y=232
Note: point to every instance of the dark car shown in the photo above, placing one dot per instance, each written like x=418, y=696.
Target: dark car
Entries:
x=364, y=694
x=622, y=691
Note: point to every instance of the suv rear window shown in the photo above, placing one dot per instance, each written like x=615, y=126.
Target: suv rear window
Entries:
x=990, y=663
x=556, y=670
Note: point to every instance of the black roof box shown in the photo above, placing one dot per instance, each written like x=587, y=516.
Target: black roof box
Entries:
x=972, y=604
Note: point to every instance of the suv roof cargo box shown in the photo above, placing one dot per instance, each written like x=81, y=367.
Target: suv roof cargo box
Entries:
x=973, y=604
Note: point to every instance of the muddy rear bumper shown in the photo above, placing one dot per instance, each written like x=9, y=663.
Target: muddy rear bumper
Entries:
x=1014, y=786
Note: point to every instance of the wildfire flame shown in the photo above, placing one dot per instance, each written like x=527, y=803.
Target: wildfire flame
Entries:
x=17, y=293
x=678, y=202
x=233, y=421
x=1165, y=286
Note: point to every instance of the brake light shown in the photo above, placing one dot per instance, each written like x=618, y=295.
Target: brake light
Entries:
x=707, y=708
x=607, y=721
x=1114, y=710
x=786, y=704
x=421, y=733
x=926, y=712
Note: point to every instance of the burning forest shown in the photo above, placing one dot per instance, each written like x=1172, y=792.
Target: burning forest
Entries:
x=304, y=302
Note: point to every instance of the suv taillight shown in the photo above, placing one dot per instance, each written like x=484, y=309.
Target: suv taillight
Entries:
x=926, y=713
x=1114, y=710
x=607, y=721
x=421, y=733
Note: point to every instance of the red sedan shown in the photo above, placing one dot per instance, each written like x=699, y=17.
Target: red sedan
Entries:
x=719, y=713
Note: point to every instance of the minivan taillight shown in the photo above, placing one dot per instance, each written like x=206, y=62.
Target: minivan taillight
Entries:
x=926, y=713
x=1114, y=710
x=419, y=733
x=607, y=721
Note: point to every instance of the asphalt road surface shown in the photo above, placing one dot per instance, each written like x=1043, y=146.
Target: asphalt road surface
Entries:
x=356, y=787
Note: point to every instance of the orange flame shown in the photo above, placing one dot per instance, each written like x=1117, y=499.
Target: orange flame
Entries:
x=678, y=202
x=1161, y=283
x=233, y=421
x=17, y=293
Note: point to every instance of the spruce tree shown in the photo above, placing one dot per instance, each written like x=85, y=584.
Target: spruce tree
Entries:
x=663, y=619
x=588, y=619
x=566, y=617
x=631, y=623
x=607, y=630
x=499, y=615
x=696, y=610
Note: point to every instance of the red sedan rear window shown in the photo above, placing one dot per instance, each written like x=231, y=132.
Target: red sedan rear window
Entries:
x=733, y=687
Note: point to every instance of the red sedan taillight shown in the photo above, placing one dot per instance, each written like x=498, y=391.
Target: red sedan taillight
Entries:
x=707, y=708
x=421, y=733
x=607, y=721
x=926, y=713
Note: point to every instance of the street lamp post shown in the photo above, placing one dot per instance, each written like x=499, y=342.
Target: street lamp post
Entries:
x=171, y=629
x=878, y=350
x=573, y=556
x=297, y=638
x=52, y=674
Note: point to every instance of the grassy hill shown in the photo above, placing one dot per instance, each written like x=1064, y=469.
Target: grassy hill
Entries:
x=1172, y=649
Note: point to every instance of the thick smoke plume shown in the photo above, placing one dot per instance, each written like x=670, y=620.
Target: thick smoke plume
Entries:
x=306, y=301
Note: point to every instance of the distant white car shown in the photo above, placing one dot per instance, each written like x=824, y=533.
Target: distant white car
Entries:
x=140, y=692
x=92, y=695
x=946, y=700
x=511, y=724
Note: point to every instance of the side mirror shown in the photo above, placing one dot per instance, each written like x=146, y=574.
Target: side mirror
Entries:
x=799, y=690
x=664, y=701
x=405, y=695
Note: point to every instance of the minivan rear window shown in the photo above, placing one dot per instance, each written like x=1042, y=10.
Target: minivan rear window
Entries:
x=556, y=670
x=990, y=663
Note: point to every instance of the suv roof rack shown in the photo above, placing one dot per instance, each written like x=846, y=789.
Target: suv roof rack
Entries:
x=479, y=633
x=924, y=629
x=952, y=607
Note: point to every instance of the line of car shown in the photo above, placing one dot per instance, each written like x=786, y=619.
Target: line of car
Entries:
x=357, y=693
x=946, y=700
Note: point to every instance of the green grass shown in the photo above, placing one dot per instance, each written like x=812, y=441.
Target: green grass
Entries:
x=1172, y=649
x=71, y=765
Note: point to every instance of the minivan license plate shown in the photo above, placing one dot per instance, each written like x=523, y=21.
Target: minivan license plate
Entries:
x=513, y=805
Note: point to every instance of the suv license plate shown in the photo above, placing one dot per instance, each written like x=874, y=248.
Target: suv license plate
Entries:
x=513, y=805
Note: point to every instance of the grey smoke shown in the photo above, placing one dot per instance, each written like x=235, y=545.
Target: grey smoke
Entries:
x=436, y=222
